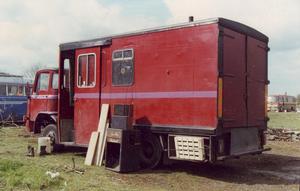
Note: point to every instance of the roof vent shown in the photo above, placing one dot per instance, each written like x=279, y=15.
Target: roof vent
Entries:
x=191, y=19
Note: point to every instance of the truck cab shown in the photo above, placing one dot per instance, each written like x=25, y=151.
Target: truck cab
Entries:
x=42, y=104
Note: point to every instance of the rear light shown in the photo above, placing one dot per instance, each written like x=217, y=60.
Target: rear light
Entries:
x=220, y=98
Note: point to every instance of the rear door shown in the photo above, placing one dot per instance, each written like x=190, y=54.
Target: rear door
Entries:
x=256, y=81
x=234, y=79
x=86, y=93
x=244, y=80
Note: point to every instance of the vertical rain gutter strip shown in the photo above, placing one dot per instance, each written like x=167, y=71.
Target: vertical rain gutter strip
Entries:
x=246, y=78
x=267, y=82
x=220, y=51
x=220, y=72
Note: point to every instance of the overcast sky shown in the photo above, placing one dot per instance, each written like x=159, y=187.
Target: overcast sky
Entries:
x=31, y=30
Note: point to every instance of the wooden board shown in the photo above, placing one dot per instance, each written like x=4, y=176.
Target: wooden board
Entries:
x=94, y=162
x=91, y=149
x=103, y=145
x=103, y=117
x=101, y=129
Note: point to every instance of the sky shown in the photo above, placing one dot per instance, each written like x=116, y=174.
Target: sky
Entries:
x=31, y=30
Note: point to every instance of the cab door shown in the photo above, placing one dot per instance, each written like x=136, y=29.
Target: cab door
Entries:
x=86, y=93
x=39, y=98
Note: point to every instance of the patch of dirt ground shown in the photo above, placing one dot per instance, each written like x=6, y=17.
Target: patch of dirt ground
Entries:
x=278, y=169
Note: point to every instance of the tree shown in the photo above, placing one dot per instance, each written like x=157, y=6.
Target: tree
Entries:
x=29, y=72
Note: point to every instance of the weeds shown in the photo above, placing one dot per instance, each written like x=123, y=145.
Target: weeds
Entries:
x=14, y=174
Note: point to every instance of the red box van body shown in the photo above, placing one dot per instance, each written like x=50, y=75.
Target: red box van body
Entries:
x=204, y=79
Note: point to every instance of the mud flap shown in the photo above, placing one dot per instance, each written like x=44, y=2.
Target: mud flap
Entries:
x=244, y=140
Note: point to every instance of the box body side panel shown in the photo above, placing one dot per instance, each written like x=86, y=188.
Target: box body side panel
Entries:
x=175, y=77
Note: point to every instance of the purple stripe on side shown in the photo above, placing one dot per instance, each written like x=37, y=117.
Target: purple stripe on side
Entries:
x=87, y=95
x=44, y=96
x=149, y=95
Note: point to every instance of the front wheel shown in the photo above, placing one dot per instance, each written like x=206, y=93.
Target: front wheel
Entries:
x=51, y=131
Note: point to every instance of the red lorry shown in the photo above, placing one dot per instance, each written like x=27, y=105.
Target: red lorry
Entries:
x=42, y=104
x=197, y=90
x=282, y=103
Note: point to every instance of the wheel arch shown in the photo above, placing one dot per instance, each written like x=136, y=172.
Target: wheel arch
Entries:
x=43, y=119
x=152, y=141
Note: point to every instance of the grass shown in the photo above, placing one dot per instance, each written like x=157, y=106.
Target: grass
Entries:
x=289, y=120
x=19, y=172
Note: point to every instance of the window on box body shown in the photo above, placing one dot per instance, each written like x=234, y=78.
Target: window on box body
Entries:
x=86, y=76
x=66, y=73
x=122, y=67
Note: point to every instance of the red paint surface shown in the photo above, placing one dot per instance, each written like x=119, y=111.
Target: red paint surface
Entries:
x=178, y=60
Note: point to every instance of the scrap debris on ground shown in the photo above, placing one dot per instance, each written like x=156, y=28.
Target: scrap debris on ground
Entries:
x=73, y=168
x=283, y=135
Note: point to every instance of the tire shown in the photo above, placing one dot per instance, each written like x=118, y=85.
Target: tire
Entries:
x=151, y=152
x=51, y=131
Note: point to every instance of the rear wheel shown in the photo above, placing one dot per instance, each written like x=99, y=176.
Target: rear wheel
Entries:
x=151, y=152
x=51, y=131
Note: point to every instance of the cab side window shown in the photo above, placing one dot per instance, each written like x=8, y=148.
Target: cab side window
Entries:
x=43, y=82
